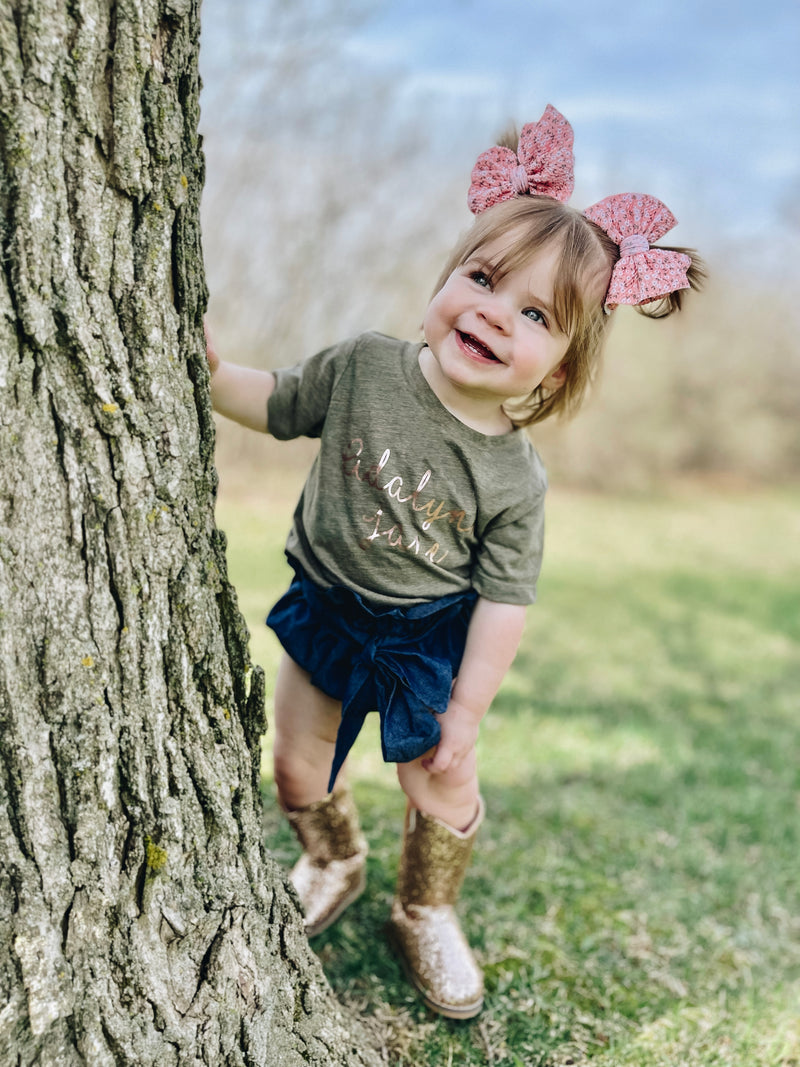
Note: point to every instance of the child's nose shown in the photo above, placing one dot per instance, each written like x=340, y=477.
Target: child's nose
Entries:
x=494, y=312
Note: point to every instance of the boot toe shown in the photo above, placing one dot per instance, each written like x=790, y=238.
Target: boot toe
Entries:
x=437, y=958
x=325, y=890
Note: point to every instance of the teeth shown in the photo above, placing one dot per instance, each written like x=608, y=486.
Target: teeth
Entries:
x=478, y=348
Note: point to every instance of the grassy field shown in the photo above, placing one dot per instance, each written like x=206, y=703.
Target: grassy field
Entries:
x=634, y=896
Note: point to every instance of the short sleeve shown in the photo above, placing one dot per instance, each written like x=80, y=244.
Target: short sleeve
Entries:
x=301, y=397
x=509, y=556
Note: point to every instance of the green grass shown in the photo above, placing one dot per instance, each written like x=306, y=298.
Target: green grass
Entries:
x=634, y=894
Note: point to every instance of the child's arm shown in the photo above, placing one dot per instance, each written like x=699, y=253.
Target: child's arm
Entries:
x=239, y=393
x=493, y=637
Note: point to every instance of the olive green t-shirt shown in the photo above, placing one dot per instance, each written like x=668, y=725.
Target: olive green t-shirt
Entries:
x=404, y=503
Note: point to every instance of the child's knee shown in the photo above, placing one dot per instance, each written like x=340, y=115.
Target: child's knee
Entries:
x=284, y=765
x=287, y=774
x=301, y=778
x=455, y=788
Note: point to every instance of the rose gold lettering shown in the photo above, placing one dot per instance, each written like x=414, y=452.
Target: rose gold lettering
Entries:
x=394, y=490
x=456, y=517
x=426, y=477
x=431, y=553
x=377, y=520
x=398, y=541
x=432, y=516
x=356, y=448
x=371, y=477
x=432, y=508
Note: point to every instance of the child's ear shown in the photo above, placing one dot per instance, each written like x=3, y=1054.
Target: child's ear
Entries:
x=556, y=378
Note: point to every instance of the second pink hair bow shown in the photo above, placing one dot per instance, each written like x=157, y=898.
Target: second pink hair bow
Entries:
x=543, y=164
x=641, y=274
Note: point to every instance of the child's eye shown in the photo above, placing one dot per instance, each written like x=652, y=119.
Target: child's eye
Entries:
x=480, y=277
x=535, y=315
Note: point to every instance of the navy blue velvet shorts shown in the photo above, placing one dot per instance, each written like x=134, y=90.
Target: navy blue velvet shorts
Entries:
x=400, y=662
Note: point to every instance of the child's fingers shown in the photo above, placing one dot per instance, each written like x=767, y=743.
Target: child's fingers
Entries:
x=211, y=352
x=442, y=760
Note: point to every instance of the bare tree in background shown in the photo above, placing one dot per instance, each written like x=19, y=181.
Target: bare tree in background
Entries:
x=322, y=210
x=141, y=921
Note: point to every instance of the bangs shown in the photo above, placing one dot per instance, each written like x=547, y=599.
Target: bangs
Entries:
x=518, y=255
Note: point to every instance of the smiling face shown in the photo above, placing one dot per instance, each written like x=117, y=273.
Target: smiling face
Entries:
x=494, y=337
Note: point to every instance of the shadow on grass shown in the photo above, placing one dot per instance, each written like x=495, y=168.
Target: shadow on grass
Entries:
x=597, y=905
x=638, y=863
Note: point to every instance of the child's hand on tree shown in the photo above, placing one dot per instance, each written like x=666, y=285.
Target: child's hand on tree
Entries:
x=211, y=352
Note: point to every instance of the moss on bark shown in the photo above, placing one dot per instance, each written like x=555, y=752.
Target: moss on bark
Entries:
x=141, y=920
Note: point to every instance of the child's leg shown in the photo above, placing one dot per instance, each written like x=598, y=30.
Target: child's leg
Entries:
x=451, y=796
x=330, y=873
x=444, y=813
x=305, y=722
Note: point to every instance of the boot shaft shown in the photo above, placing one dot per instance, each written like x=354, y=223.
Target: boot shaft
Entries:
x=435, y=858
x=329, y=829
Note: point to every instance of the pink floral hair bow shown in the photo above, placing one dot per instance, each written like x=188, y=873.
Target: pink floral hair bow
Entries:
x=542, y=164
x=642, y=273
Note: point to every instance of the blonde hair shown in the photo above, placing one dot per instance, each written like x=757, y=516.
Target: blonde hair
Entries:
x=587, y=256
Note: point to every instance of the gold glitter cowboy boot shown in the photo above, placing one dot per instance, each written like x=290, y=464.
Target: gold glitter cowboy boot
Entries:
x=329, y=875
x=424, y=926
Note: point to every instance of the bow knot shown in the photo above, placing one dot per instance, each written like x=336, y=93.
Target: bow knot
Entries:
x=406, y=687
x=643, y=273
x=519, y=181
x=371, y=660
x=637, y=242
x=542, y=165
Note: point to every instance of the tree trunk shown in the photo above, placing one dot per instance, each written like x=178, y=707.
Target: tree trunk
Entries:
x=141, y=921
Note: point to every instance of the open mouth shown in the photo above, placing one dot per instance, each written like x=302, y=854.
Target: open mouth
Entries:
x=474, y=348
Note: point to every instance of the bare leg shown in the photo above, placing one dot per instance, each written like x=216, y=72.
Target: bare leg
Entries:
x=329, y=875
x=306, y=722
x=451, y=796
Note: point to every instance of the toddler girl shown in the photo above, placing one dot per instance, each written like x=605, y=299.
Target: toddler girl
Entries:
x=417, y=540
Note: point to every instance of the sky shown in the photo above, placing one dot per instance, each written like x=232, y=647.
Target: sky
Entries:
x=695, y=101
x=699, y=97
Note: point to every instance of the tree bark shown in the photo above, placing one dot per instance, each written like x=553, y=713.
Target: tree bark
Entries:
x=141, y=920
